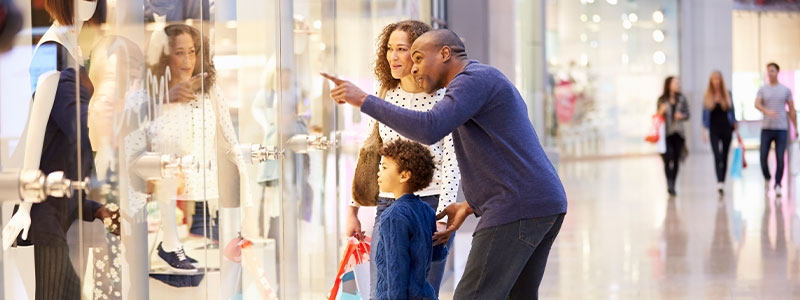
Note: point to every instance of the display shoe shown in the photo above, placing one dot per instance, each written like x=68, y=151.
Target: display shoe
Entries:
x=177, y=260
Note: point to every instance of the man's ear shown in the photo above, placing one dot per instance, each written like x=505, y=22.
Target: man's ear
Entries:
x=446, y=53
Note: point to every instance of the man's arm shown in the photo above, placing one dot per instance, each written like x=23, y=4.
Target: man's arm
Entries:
x=763, y=109
x=460, y=103
x=792, y=112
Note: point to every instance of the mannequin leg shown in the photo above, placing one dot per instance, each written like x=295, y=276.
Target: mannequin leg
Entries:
x=166, y=192
x=55, y=276
x=230, y=271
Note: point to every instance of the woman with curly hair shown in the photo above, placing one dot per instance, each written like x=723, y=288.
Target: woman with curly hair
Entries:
x=191, y=119
x=393, y=72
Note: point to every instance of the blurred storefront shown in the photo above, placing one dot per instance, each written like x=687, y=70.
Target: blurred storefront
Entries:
x=607, y=61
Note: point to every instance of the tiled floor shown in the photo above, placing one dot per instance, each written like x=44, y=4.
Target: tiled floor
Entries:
x=624, y=238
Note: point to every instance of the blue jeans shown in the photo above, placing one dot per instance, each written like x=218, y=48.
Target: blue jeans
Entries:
x=508, y=261
x=436, y=271
x=767, y=137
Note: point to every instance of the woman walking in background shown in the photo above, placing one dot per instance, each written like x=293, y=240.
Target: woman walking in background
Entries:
x=675, y=109
x=719, y=121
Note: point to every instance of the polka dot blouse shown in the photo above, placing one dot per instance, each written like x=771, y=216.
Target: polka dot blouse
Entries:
x=446, y=177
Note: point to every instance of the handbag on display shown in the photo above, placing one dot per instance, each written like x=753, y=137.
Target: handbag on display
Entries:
x=365, y=177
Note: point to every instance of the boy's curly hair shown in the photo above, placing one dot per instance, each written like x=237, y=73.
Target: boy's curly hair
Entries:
x=413, y=157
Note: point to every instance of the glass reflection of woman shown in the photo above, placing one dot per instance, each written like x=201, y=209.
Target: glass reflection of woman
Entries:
x=194, y=121
x=719, y=121
x=393, y=71
x=675, y=109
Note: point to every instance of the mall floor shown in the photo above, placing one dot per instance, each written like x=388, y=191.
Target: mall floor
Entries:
x=625, y=238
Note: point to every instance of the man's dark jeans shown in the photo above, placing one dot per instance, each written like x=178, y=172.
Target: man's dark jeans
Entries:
x=508, y=261
x=780, y=138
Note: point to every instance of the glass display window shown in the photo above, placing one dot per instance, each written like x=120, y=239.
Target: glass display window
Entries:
x=211, y=143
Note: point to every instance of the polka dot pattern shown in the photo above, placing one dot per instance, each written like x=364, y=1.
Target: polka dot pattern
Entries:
x=446, y=177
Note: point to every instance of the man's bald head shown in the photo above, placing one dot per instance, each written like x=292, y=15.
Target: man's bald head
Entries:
x=438, y=55
x=439, y=38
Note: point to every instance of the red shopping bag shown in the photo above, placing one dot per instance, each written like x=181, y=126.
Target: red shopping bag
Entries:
x=239, y=250
x=356, y=252
x=655, y=125
x=741, y=145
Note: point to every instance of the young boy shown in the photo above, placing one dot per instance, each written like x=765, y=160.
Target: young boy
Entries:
x=404, y=253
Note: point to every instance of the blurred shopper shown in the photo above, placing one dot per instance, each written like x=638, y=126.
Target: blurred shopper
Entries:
x=772, y=100
x=719, y=121
x=675, y=109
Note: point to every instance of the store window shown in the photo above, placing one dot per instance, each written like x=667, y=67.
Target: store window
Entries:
x=607, y=61
x=211, y=136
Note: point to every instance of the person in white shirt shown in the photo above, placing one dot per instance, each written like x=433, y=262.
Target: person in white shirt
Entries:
x=772, y=100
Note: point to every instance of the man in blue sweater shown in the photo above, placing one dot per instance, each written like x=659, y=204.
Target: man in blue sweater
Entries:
x=507, y=179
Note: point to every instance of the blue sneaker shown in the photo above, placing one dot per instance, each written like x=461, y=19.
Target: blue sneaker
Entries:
x=177, y=260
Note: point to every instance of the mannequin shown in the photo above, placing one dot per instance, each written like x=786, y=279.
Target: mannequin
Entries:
x=184, y=126
x=263, y=111
x=51, y=145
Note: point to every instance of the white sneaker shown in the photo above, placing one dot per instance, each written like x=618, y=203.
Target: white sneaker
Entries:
x=778, y=190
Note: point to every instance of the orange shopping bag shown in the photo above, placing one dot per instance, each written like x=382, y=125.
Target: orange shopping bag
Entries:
x=356, y=252
x=655, y=126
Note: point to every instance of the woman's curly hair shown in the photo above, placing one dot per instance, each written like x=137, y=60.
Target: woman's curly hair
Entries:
x=413, y=157
x=203, y=63
x=383, y=71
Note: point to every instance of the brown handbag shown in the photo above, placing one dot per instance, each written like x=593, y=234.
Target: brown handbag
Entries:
x=365, y=179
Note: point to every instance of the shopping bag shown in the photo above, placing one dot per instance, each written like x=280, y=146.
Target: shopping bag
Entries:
x=794, y=157
x=356, y=252
x=736, y=164
x=655, y=126
x=242, y=250
x=741, y=145
x=363, y=280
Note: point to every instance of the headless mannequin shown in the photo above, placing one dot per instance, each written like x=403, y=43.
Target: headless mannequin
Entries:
x=40, y=112
x=263, y=111
x=54, y=139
